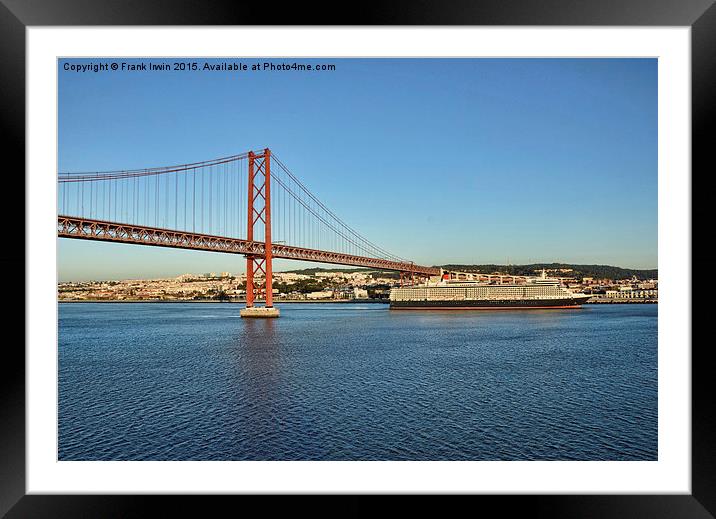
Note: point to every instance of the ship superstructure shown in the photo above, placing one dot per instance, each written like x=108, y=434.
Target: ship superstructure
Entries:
x=535, y=292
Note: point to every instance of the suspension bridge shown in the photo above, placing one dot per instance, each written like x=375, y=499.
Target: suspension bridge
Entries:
x=249, y=204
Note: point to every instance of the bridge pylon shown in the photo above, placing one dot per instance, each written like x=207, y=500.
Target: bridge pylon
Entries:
x=259, y=212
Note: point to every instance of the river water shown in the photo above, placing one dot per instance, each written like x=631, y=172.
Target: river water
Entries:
x=194, y=381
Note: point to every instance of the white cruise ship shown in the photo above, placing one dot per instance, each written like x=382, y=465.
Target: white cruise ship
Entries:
x=538, y=292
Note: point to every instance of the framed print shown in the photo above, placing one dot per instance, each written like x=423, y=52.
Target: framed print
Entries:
x=376, y=255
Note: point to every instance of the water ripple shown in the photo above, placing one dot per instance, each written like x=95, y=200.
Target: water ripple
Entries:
x=356, y=382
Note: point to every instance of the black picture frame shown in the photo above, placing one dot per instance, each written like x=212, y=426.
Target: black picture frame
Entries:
x=16, y=15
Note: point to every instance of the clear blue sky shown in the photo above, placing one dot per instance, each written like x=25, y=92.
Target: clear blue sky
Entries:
x=437, y=160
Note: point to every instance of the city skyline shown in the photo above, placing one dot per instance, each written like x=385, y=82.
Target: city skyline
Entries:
x=441, y=161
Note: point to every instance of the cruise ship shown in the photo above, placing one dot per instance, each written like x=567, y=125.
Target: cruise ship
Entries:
x=535, y=292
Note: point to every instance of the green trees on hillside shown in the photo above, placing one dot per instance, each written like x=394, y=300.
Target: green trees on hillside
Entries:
x=578, y=271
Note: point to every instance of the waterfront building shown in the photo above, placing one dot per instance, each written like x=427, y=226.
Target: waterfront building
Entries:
x=360, y=293
x=324, y=294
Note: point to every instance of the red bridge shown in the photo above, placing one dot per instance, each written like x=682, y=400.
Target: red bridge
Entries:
x=249, y=204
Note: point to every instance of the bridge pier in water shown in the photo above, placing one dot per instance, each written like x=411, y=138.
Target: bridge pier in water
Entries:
x=259, y=191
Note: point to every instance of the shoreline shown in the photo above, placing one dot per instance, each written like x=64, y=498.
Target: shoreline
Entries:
x=623, y=302
x=242, y=302
x=319, y=301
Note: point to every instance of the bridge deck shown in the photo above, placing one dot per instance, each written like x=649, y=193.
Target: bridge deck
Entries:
x=100, y=230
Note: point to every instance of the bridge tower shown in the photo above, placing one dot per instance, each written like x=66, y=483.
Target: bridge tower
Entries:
x=259, y=212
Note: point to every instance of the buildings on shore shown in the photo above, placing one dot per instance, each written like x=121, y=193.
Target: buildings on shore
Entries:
x=329, y=285
x=225, y=286
x=617, y=291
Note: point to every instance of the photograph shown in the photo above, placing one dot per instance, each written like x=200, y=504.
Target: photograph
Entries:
x=357, y=259
x=420, y=250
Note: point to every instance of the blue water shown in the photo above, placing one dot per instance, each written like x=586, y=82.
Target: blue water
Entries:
x=356, y=382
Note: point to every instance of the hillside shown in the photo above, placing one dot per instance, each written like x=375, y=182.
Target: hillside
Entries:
x=578, y=271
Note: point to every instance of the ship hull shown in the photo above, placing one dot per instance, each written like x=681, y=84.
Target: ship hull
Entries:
x=486, y=304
